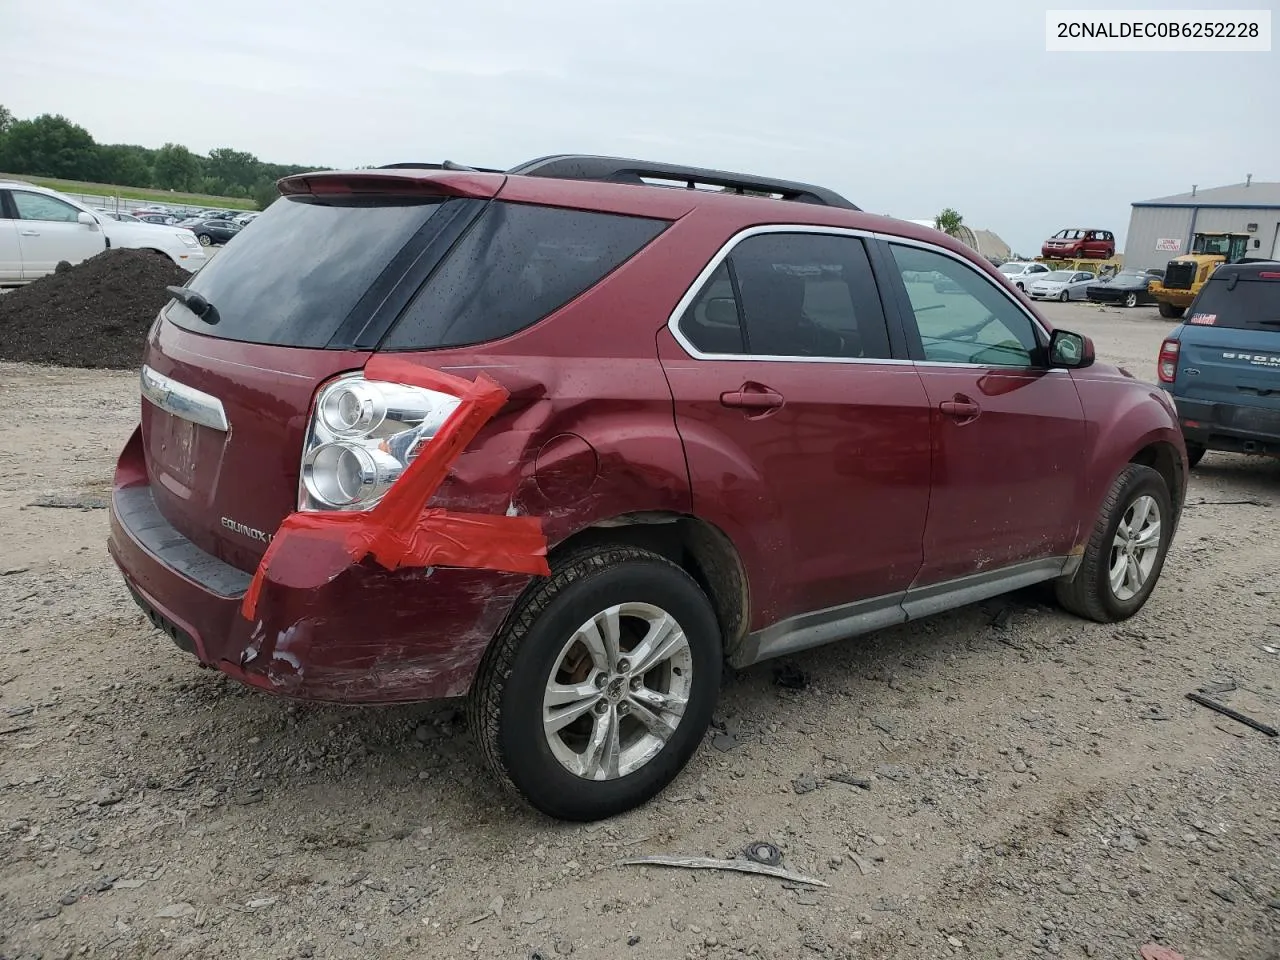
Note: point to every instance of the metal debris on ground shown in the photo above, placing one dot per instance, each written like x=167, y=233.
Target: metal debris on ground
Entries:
x=763, y=852
x=710, y=863
x=850, y=780
x=1234, y=714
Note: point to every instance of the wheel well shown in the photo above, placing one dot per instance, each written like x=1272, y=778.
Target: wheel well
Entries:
x=1163, y=458
x=699, y=548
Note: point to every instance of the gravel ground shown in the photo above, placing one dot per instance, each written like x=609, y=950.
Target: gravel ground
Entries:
x=1037, y=785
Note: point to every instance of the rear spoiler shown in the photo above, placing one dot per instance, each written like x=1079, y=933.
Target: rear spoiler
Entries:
x=478, y=185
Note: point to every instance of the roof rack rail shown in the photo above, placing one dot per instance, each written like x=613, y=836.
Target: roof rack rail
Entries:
x=622, y=170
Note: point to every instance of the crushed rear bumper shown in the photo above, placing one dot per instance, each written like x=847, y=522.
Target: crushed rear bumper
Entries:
x=367, y=636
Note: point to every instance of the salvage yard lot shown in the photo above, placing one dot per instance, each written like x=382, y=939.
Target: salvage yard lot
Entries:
x=1039, y=785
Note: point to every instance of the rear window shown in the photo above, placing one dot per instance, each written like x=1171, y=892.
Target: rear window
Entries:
x=517, y=264
x=293, y=279
x=1249, y=304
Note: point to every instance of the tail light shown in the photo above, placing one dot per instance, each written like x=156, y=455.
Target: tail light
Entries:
x=1167, y=365
x=362, y=436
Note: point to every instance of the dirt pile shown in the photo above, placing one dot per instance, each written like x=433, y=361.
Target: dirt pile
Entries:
x=95, y=314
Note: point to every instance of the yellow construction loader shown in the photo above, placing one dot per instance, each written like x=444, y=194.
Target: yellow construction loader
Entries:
x=1185, y=275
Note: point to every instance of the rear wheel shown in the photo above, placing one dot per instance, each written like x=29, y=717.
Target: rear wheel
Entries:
x=1195, y=452
x=1169, y=311
x=1126, y=552
x=601, y=685
x=1131, y=299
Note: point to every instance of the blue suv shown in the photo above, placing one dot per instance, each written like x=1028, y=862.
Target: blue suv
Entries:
x=1222, y=363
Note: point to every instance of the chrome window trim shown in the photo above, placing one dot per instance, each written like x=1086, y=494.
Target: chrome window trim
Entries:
x=183, y=401
x=673, y=321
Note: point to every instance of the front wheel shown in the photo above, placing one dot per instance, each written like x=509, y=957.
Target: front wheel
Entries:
x=205, y=240
x=1126, y=552
x=1130, y=299
x=1064, y=296
x=601, y=685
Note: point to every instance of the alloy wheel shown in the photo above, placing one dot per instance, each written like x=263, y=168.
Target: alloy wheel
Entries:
x=617, y=691
x=1135, y=548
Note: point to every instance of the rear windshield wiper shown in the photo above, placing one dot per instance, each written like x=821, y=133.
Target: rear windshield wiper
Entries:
x=197, y=304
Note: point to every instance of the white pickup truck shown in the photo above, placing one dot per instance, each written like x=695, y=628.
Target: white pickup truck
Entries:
x=40, y=227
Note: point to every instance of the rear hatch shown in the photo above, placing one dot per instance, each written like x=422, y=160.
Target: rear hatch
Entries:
x=303, y=296
x=1230, y=347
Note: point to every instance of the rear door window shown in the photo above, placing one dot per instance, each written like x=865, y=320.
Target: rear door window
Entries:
x=297, y=275
x=516, y=265
x=1249, y=304
x=790, y=295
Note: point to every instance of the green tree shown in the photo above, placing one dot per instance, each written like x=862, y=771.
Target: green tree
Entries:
x=175, y=167
x=49, y=146
x=6, y=118
x=233, y=167
x=265, y=194
x=949, y=221
x=125, y=164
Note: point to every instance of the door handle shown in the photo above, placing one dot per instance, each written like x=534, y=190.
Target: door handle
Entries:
x=30, y=233
x=960, y=408
x=752, y=396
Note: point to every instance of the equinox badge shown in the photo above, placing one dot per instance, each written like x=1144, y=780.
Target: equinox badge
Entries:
x=245, y=530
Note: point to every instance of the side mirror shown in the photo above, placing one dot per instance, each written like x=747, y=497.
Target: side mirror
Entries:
x=1070, y=350
x=87, y=219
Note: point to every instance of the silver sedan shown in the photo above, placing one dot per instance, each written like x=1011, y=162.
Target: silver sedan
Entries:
x=1062, y=285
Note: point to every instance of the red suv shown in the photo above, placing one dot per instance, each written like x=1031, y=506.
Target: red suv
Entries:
x=564, y=441
x=1080, y=245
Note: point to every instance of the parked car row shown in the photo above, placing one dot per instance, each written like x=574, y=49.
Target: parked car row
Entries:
x=168, y=216
x=39, y=228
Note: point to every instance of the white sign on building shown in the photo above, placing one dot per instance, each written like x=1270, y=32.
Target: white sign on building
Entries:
x=1171, y=245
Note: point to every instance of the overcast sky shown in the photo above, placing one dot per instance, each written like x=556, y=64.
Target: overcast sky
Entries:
x=905, y=106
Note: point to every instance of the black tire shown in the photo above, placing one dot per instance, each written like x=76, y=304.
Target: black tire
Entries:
x=1195, y=452
x=1131, y=299
x=505, y=706
x=1088, y=593
x=1170, y=312
x=205, y=239
x=1064, y=296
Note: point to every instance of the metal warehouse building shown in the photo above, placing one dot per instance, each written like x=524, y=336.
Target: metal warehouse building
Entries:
x=1161, y=229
